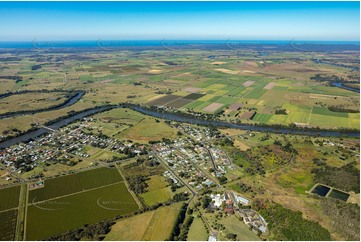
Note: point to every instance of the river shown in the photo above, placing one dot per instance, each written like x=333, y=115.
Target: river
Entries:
x=178, y=118
x=75, y=98
x=340, y=85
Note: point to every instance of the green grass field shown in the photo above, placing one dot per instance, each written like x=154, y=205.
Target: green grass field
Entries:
x=325, y=111
x=149, y=129
x=153, y=225
x=264, y=118
x=156, y=196
x=9, y=198
x=75, y=183
x=57, y=216
x=193, y=104
x=197, y=231
x=233, y=225
x=227, y=100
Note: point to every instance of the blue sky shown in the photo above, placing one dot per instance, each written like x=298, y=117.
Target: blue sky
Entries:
x=180, y=20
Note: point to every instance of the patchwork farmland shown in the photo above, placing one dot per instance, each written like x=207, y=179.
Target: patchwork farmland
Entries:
x=256, y=100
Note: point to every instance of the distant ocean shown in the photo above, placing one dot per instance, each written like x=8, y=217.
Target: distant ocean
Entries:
x=100, y=43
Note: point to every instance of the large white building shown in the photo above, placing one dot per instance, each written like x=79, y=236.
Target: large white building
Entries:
x=242, y=200
x=218, y=199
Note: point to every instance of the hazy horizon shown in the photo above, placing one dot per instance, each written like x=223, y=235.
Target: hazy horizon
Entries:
x=304, y=21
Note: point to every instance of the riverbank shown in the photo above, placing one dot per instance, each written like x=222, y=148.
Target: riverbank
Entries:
x=184, y=118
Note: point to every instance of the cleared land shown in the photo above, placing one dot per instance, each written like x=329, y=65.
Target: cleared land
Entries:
x=269, y=86
x=192, y=89
x=212, y=107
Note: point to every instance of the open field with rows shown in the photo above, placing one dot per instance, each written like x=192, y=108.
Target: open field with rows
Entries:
x=75, y=200
x=78, y=182
x=8, y=224
x=9, y=198
x=9, y=202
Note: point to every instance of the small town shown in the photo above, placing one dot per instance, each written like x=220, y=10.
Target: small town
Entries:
x=192, y=161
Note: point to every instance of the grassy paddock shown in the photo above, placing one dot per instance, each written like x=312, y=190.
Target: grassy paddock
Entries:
x=153, y=225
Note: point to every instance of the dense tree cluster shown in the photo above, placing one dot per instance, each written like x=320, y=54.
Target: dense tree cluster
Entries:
x=346, y=178
x=326, y=78
x=244, y=187
x=88, y=232
x=345, y=217
x=281, y=111
x=222, y=179
x=286, y=224
x=179, y=221
x=180, y=197
x=137, y=183
x=185, y=228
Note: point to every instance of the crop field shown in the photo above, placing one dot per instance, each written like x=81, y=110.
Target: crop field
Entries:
x=75, y=210
x=264, y=118
x=213, y=107
x=264, y=95
x=179, y=103
x=9, y=198
x=164, y=100
x=153, y=225
x=8, y=225
x=78, y=182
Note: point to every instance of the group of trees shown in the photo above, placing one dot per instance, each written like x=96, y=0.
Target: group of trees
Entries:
x=244, y=188
x=281, y=111
x=326, y=78
x=345, y=217
x=286, y=224
x=185, y=228
x=179, y=221
x=346, y=178
x=88, y=232
x=180, y=197
x=222, y=179
x=137, y=183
